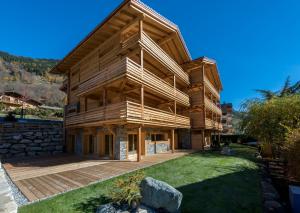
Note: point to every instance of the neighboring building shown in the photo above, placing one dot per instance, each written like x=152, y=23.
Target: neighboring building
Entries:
x=128, y=85
x=204, y=94
x=13, y=100
x=227, y=115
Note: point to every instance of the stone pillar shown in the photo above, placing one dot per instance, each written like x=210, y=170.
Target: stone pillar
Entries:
x=120, y=146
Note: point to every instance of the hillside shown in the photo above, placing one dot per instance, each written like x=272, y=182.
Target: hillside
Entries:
x=31, y=77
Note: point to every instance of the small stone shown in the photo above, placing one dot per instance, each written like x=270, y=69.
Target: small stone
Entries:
x=3, y=151
x=35, y=148
x=17, y=137
x=18, y=146
x=5, y=145
x=38, y=141
x=25, y=141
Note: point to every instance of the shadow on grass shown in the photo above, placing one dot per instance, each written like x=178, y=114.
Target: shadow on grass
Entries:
x=91, y=204
x=235, y=192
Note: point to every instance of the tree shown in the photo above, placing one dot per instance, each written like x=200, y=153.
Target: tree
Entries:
x=269, y=121
x=287, y=90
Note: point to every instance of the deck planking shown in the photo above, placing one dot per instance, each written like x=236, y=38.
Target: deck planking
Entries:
x=42, y=178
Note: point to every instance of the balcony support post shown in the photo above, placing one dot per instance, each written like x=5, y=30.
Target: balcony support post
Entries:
x=219, y=137
x=203, y=139
x=203, y=93
x=173, y=140
x=139, y=148
x=104, y=97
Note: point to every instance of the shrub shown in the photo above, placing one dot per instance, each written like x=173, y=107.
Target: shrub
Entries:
x=292, y=150
x=127, y=190
x=269, y=121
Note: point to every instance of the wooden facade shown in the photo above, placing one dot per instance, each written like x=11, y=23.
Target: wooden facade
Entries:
x=129, y=87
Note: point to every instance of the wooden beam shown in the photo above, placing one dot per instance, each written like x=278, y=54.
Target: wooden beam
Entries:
x=173, y=140
x=167, y=38
x=139, y=148
x=203, y=138
x=104, y=97
x=131, y=90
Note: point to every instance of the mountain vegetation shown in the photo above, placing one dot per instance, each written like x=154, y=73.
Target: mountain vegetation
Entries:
x=31, y=78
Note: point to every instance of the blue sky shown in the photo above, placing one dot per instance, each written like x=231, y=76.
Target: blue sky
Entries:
x=255, y=42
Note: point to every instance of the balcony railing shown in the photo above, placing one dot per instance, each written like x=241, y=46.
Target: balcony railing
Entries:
x=213, y=124
x=133, y=71
x=211, y=87
x=157, y=52
x=128, y=112
x=210, y=105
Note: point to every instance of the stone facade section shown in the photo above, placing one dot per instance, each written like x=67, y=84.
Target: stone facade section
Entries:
x=31, y=138
x=121, y=143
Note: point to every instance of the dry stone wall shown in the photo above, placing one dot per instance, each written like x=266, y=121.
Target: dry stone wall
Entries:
x=30, y=138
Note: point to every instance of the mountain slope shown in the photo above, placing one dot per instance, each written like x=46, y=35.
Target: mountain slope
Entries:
x=31, y=78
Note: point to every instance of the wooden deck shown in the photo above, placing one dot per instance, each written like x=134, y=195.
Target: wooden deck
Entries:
x=44, y=177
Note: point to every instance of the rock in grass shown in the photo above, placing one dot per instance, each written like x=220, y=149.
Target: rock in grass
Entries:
x=160, y=195
x=106, y=208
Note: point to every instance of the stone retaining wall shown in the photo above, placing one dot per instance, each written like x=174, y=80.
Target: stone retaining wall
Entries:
x=30, y=138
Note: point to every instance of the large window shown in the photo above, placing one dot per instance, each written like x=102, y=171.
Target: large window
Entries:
x=132, y=142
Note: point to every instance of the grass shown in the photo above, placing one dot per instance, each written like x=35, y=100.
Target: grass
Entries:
x=210, y=182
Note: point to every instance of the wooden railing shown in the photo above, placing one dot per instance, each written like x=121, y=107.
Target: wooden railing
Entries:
x=129, y=112
x=213, y=124
x=107, y=74
x=153, y=116
x=133, y=71
x=157, y=52
x=156, y=84
x=113, y=111
x=211, y=87
x=210, y=105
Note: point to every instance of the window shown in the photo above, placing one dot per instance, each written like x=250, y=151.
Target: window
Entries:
x=91, y=144
x=157, y=137
x=132, y=142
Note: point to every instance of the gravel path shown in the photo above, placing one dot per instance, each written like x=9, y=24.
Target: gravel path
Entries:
x=9, y=194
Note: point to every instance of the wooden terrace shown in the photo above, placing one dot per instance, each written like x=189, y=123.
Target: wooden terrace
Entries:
x=44, y=177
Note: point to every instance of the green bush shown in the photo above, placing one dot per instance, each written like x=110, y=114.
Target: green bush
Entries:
x=269, y=121
x=127, y=190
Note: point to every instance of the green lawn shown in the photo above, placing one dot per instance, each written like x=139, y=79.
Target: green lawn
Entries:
x=209, y=182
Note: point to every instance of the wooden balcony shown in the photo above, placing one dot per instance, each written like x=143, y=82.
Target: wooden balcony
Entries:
x=133, y=71
x=210, y=124
x=158, y=53
x=128, y=112
x=211, y=88
x=210, y=105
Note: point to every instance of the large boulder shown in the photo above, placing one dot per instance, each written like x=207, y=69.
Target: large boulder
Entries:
x=160, y=195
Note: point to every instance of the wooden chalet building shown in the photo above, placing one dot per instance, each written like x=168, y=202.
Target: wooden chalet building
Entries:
x=133, y=89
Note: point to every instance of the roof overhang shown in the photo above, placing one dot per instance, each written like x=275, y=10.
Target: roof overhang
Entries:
x=199, y=62
x=120, y=18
